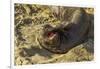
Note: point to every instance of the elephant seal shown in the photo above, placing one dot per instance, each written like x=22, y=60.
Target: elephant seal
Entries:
x=62, y=38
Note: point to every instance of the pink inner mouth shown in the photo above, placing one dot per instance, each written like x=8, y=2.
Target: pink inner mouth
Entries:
x=50, y=34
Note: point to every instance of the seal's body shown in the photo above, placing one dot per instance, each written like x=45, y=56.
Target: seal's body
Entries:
x=62, y=38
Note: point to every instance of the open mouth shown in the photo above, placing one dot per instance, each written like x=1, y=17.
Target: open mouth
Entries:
x=51, y=35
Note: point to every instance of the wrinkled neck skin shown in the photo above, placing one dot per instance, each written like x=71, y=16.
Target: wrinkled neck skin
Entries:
x=75, y=37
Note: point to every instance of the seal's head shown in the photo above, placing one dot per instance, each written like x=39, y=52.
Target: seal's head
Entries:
x=49, y=36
